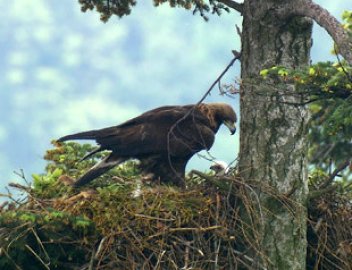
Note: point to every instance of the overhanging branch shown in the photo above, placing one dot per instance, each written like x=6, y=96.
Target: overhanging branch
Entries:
x=233, y=4
x=322, y=17
x=332, y=176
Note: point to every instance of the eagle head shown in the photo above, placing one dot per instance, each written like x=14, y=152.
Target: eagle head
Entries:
x=224, y=114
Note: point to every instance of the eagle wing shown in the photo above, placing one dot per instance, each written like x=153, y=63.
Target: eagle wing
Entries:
x=163, y=130
x=168, y=129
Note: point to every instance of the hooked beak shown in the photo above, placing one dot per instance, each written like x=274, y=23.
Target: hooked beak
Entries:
x=231, y=126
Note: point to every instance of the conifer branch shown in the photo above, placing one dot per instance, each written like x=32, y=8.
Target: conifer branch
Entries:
x=233, y=4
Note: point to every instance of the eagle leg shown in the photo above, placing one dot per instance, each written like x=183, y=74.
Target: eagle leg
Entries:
x=171, y=171
x=100, y=168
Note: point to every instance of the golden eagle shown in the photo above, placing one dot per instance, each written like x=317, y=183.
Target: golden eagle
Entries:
x=163, y=139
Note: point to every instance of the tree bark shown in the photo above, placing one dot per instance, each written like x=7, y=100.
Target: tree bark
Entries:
x=273, y=142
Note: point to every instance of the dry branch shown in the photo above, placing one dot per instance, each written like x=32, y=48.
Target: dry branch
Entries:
x=328, y=22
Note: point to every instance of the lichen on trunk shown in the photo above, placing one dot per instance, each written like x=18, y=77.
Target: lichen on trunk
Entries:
x=273, y=142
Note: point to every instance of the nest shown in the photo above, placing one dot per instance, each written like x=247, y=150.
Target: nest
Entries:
x=108, y=225
x=111, y=228
x=330, y=232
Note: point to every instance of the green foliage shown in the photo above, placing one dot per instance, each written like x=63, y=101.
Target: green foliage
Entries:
x=41, y=239
x=347, y=17
x=108, y=8
x=105, y=226
x=41, y=182
x=65, y=159
x=321, y=80
x=62, y=228
x=327, y=87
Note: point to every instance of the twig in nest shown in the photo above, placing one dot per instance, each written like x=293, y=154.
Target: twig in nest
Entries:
x=41, y=245
x=317, y=193
x=161, y=254
x=171, y=230
x=155, y=218
x=100, y=247
x=187, y=252
x=3, y=251
x=85, y=195
x=21, y=187
x=91, y=262
x=248, y=258
x=37, y=256
x=21, y=174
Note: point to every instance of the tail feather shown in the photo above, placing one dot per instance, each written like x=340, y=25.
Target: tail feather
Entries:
x=91, y=134
x=86, y=135
x=102, y=167
x=96, y=150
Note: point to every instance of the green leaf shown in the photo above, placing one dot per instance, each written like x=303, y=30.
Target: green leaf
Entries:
x=27, y=217
x=264, y=72
x=56, y=173
x=312, y=71
x=57, y=214
x=36, y=177
x=282, y=72
x=83, y=223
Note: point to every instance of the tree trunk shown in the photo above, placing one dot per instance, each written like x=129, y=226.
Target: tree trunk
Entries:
x=273, y=142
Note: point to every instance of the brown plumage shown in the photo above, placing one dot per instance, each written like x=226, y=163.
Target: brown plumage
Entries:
x=163, y=139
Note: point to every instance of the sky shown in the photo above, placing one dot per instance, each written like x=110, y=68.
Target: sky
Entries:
x=64, y=71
